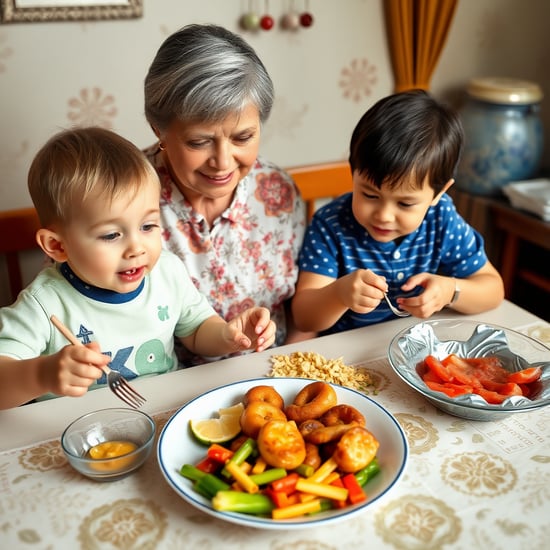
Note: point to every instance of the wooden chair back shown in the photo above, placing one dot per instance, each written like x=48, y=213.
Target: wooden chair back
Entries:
x=17, y=234
x=321, y=181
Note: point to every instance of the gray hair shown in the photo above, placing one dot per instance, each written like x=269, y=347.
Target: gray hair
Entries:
x=203, y=73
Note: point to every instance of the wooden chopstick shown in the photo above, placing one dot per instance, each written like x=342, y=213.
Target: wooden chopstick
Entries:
x=65, y=331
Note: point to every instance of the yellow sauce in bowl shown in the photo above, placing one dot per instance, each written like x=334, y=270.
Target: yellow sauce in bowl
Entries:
x=111, y=449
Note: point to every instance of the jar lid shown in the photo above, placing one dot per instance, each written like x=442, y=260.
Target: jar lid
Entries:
x=505, y=90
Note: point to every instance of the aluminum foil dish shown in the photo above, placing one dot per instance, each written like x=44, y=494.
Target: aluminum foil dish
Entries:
x=409, y=348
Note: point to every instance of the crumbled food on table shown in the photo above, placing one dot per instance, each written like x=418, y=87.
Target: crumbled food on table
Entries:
x=313, y=365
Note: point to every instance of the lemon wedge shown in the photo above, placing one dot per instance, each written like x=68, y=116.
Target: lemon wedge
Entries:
x=218, y=430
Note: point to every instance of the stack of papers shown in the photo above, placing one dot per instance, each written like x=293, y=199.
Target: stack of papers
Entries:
x=530, y=195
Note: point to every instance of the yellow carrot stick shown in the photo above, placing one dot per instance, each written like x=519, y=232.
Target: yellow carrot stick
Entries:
x=324, y=470
x=321, y=489
x=295, y=510
x=330, y=478
x=259, y=466
x=306, y=497
x=241, y=478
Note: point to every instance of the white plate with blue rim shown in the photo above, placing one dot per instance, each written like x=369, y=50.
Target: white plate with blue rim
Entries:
x=177, y=446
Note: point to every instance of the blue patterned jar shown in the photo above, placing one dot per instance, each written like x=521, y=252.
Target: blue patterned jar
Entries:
x=503, y=134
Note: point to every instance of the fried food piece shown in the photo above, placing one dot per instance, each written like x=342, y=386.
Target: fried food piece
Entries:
x=311, y=402
x=256, y=414
x=264, y=393
x=356, y=448
x=281, y=444
x=342, y=414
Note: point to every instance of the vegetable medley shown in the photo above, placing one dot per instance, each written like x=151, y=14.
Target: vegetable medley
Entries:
x=272, y=475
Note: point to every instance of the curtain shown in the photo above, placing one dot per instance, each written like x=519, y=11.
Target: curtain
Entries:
x=417, y=31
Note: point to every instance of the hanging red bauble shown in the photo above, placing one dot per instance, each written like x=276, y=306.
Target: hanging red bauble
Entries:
x=266, y=22
x=306, y=19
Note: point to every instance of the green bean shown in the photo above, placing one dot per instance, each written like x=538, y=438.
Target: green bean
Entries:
x=268, y=476
x=368, y=472
x=246, y=503
x=241, y=454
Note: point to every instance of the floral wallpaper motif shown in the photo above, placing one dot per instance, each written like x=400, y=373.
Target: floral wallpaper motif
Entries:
x=358, y=79
x=92, y=107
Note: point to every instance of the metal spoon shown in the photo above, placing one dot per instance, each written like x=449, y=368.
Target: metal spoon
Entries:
x=395, y=310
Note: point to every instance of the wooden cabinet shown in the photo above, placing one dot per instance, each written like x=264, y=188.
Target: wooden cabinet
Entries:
x=517, y=243
x=525, y=256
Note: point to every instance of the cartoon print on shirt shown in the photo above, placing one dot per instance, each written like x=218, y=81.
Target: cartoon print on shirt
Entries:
x=151, y=357
x=118, y=364
x=163, y=314
x=85, y=334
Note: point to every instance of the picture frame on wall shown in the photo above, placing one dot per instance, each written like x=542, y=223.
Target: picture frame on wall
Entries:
x=20, y=11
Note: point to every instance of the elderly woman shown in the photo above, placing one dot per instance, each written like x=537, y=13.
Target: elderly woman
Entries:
x=236, y=220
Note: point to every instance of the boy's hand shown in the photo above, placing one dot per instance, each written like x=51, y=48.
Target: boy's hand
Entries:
x=437, y=293
x=252, y=328
x=73, y=369
x=361, y=291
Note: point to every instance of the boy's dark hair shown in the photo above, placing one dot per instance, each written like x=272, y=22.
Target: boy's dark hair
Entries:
x=406, y=137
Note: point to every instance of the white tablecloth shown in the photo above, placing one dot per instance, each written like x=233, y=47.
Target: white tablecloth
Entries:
x=467, y=485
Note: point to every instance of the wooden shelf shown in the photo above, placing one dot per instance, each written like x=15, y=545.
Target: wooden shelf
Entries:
x=517, y=244
x=520, y=227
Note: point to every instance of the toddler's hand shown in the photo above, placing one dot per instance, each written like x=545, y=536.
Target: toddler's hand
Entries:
x=252, y=328
x=73, y=369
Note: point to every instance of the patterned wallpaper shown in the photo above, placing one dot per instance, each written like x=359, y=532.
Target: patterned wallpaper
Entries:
x=58, y=74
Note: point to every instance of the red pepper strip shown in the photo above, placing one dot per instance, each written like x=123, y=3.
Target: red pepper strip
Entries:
x=339, y=503
x=294, y=498
x=506, y=388
x=491, y=397
x=461, y=370
x=430, y=375
x=525, y=376
x=355, y=492
x=208, y=465
x=449, y=389
x=219, y=453
x=438, y=368
x=286, y=484
x=279, y=498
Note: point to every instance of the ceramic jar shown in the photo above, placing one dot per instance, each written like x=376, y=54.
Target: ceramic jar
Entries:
x=503, y=134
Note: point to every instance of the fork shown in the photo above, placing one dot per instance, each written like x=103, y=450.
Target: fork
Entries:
x=118, y=384
x=395, y=310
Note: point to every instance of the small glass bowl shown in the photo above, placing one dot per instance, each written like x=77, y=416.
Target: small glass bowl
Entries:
x=409, y=348
x=117, y=424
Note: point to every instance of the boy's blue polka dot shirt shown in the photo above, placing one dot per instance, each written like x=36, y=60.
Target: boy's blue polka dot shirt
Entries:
x=335, y=245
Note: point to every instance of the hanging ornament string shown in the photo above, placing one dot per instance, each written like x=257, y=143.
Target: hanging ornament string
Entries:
x=266, y=22
x=250, y=21
x=306, y=19
x=291, y=20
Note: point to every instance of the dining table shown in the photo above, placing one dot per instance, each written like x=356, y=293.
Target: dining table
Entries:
x=467, y=484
